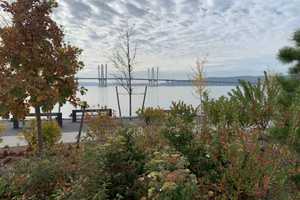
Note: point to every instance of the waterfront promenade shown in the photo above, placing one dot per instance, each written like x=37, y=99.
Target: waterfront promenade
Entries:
x=13, y=138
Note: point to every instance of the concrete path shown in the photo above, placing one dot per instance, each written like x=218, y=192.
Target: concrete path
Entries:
x=15, y=141
x=13, y=138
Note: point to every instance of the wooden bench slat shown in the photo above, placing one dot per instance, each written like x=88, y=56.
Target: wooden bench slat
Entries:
x=108, y=112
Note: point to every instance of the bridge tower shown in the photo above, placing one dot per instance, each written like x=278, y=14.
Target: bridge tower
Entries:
x=102, y=75
x=153, y=76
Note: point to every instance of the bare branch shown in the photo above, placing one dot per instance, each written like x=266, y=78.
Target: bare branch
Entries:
x=123, y=59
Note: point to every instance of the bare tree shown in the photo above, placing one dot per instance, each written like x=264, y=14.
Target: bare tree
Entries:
x=124, y=60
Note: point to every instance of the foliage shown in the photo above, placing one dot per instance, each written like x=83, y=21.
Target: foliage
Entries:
x=37, y=67
x=167, y=178
x=3, y=187
x=180, y=132
x=183, y=111
x=101, y=127
x=151, y=140
x=110, y=170
x=222, y=113
x=288, y=55
x=245, y=170
x=248, y=106
x=179, y=126
x=256, y=101
x=35, y=179
x=51, y=134
x=230, y=156
x=152, y=116
x=199, y=78
x=2, y=129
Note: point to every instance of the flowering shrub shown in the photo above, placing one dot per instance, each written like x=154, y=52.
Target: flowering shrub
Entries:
x=167, y=178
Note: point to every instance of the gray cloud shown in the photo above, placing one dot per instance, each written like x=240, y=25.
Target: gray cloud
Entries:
x=232, y=32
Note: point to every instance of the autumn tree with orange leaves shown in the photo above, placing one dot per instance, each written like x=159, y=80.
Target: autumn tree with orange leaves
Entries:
x=37, y=68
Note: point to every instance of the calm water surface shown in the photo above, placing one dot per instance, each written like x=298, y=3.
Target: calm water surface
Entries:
x=162, y=96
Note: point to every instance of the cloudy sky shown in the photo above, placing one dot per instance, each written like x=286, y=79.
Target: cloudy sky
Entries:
x=240, y=37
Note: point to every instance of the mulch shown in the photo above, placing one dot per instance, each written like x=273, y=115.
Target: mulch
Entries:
x=11, y=154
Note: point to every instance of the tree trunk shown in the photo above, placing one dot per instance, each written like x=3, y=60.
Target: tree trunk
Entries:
x=39, y=130
x=130, y=102
x=118, y=99
x=130, y=90
x=80, y=127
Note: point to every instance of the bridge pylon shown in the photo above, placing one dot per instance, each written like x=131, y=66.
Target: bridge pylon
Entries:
x=102, y=75
x=153, y=76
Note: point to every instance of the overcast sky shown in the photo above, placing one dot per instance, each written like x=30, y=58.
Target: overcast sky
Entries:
x=240, y=37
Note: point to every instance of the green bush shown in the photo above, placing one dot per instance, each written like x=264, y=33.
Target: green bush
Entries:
x=180, y=126
x=286, y=128
x=155, y=116
x=179, y=130
x=256, y=102
x=34, y=179
x=223, y=113
x=183, y=111
x=51, y=134
x=3, y=188
x=2, y=129
x=109, y=171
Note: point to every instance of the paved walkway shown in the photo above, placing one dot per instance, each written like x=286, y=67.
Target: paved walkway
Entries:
x=13, y=138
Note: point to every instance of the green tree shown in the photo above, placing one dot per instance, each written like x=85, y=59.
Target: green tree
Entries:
x=37, y=68
x=289, y=55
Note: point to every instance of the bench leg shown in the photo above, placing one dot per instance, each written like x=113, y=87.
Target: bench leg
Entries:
x=59, y=120
x=74, y=117
x=16, y=124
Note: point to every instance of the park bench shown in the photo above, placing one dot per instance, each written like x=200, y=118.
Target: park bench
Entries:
x=94, y=112
x=58, y=118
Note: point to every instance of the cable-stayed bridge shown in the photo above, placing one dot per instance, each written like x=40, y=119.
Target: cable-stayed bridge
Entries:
x=103, y=82
x=153, y=79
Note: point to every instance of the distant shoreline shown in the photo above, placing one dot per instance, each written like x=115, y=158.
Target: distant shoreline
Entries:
x=210, y=81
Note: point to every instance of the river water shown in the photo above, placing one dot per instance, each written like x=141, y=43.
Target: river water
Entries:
x=98, y=97
x=162, y=96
